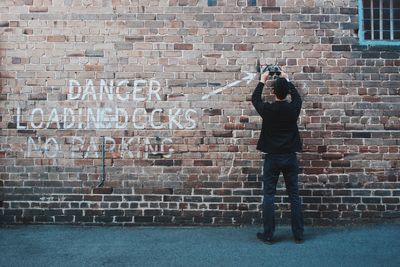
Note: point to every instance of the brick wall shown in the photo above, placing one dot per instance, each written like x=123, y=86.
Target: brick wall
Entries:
x=167, y=86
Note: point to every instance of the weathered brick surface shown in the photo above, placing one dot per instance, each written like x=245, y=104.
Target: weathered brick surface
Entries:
x=145, y=75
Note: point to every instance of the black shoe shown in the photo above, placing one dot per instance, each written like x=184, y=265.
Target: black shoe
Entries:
x=298, y=240
x=263, y=238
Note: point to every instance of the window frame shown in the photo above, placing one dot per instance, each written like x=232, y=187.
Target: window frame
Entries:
x=361, y=32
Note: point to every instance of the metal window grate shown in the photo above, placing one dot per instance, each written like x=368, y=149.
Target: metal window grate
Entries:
x=381, y=20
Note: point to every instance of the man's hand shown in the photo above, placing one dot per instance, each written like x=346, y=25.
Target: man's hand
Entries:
x=264, y=77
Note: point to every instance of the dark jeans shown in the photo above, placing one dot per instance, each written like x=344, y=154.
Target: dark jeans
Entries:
x=274, y=164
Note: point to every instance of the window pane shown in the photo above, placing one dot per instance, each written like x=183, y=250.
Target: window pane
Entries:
x=376, y=35
x=367, y=35
x=376, y=13
x=366, y=3
x=396, y=13
x=367, y=13
x=367, y=25
x=386, y=3
x=376, y=25
x=386, y=24
x=396, y=24
x=386, y=13
x=397, y=35
x=376, y=3
x=386, y=35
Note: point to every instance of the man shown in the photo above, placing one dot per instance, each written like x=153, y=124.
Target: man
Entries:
x=280, y=140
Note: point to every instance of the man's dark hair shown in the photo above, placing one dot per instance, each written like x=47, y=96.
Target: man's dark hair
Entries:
x=281, y=88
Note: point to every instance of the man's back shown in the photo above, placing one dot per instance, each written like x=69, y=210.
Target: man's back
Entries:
x=279, y=133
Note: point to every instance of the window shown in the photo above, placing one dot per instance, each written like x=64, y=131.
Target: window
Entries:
x=379, y=22
x=251, y=2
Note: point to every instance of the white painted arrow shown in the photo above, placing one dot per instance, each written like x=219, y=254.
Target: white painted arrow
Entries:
x=248, y=78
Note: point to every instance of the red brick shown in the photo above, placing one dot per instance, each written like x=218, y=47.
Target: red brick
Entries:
x=183, y=46
x=38, y=9
x=102, y=190
x=271, y=24
x=94, y=67
x=56, y=38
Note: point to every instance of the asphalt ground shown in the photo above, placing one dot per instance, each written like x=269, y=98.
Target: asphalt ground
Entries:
x=58, y=245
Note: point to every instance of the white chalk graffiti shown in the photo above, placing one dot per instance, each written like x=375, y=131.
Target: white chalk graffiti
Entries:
x=121, y=91
x=110, y=117
x=91, y=147
x=107, y=118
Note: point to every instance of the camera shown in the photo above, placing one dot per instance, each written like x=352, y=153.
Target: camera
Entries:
x=273, y=70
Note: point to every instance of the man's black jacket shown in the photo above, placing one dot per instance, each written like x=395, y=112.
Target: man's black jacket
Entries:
x=279, y=133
